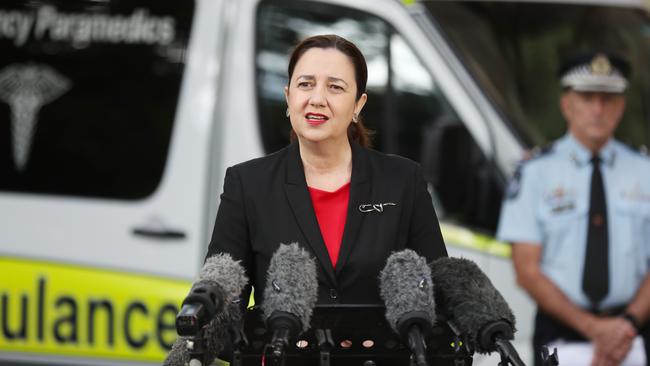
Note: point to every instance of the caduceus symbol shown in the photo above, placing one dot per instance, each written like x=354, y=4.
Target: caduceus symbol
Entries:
x=26, y=88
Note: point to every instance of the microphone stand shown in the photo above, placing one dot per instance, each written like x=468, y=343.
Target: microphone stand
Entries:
x=197, y=349
x=271, y=357
x=416, y=343
x=414, y=327
x=325, y=345
x=285, y=326
x=240, y=342
x=509, y=355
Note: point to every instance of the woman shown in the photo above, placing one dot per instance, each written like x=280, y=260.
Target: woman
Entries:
x=348, y=205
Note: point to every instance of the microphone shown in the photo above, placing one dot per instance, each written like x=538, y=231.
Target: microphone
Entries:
x=467, y=298
x=406, y=288
x=289, y=296
x=208, y=311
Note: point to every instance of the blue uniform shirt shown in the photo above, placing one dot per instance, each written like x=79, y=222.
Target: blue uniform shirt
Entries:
x=547, y=203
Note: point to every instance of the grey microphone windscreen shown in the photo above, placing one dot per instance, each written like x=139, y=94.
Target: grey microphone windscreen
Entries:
x=291, y=284
x=231, y=278
x=405, y=286
x=225, y=271
x=467, y=297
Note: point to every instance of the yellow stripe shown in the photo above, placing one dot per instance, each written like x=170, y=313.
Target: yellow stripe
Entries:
x=465, y=238
x=65, y=310
x=408, y=2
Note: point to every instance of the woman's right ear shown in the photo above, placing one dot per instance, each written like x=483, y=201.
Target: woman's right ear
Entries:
x=286, y=97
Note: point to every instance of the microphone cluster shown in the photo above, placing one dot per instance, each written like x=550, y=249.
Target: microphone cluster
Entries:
x=457, y=290
x=413, y=291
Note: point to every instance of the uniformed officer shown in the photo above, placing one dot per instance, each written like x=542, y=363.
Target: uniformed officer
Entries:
x=578, y=216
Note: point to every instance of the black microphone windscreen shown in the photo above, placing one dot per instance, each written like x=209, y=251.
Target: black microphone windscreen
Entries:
x=216, y=332
x=230, y=276
x=405, y=286
x=291, y=284
x=467, y=296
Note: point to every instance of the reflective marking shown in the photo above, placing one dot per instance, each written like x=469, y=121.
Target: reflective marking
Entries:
x=465, y=238
x=54, y=309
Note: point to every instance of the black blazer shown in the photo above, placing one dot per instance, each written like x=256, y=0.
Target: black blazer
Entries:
x=266, y=202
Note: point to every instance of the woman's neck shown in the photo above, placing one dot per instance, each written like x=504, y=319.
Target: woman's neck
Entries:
x=327, y=166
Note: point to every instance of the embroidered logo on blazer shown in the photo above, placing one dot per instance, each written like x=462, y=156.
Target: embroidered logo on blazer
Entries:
x=379, y=207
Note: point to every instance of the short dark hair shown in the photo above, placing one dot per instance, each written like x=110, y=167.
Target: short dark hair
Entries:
x=356, y=131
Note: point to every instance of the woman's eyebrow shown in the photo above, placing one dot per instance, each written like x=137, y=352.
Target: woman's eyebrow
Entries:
x=330, y=78
x=307, y=77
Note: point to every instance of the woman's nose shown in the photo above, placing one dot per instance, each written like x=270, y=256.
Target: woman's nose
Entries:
x=317, y=97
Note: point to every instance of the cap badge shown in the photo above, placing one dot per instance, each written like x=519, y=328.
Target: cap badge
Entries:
x=600, y=65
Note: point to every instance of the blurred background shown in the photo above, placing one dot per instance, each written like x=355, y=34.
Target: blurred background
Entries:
x=118, y=120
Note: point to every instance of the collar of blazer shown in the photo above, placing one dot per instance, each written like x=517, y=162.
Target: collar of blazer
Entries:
x=296, y=172
x=300, y=201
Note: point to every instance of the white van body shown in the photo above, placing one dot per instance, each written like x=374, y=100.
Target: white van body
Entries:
x=88, y=280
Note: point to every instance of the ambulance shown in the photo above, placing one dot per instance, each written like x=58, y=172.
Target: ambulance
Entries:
x=119, y=118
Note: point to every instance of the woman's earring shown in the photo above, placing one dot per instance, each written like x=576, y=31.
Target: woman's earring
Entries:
x=355, y=118
x=287, y=113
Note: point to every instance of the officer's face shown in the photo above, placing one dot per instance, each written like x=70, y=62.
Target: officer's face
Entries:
x=592, y=116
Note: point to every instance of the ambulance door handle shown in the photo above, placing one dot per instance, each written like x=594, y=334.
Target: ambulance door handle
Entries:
x=163, y=234
x=158, y=228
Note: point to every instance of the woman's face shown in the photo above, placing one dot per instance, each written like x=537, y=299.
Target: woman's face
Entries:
x=322, y=95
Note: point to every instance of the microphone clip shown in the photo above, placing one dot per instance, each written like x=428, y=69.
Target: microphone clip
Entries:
x=408, y=320
x=549, y=359
x=488, y=334
x=285, y=327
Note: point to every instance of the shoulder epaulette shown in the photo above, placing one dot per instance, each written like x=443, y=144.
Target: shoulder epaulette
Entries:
x=537, y=152
x=642, y=150
x=514, y=186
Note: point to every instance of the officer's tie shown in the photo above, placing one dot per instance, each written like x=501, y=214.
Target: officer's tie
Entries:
x=595, y=279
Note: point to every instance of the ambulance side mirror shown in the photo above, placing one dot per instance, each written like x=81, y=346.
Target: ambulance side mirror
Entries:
x=464, y=181
x=444, y=144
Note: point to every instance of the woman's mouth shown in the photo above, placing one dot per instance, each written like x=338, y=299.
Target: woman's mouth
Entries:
x=316, y=119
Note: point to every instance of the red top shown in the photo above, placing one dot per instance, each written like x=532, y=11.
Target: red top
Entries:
x=331, y=212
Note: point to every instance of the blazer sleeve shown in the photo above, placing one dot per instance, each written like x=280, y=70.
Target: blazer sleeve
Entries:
x=424, y=230
x=231, y=231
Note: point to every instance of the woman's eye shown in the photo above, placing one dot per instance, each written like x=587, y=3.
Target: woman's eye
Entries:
x=336, y=87
x=304, y=84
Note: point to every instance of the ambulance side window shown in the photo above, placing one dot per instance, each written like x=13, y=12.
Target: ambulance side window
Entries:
x=88, y=109
x=407, y=111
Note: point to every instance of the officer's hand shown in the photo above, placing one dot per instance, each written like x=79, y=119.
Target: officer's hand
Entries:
x=612, y=339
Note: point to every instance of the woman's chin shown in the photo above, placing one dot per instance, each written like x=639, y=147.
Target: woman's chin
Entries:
x=326, y=140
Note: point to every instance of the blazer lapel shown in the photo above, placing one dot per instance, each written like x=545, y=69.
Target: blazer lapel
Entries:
x=300, y=201
x=359, y=194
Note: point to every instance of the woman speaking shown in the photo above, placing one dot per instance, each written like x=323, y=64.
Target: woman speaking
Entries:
x=347, y=205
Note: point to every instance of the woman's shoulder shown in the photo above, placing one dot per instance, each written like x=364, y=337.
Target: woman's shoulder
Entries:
x=265, y=164
x=263, y=160
x=391, y=161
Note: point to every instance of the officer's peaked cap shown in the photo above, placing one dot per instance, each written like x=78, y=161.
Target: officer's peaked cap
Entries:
x=595, y=71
